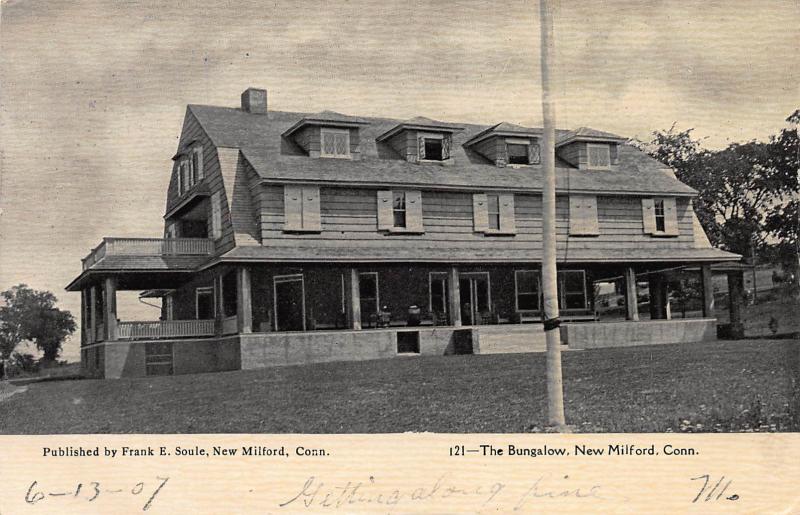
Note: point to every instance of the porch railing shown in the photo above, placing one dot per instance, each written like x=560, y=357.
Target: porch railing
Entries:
x=165, y=329
x=230, y=325
x=149, y=247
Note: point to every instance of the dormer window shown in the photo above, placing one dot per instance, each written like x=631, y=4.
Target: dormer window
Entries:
x=507, y=144
x=335, y=143
x=599, y=156
x=517, y=153
x=434, y=147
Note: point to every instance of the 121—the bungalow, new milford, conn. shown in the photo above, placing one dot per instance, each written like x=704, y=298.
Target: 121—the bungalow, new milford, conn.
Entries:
x=296, y=238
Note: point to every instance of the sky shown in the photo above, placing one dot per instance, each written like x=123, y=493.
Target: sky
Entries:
x=93, y=93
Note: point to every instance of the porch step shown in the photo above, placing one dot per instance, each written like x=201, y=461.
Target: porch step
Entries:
x=507, y=339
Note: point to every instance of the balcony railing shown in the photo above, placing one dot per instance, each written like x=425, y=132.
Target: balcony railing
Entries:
x=165, y=329
x=149, y=247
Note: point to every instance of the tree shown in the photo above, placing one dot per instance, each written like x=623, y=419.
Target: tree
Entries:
x=32, y=315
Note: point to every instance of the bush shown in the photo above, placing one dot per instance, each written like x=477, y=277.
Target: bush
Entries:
x=20, y=364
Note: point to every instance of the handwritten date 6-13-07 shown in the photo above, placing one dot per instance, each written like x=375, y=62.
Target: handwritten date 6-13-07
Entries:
x=92, y=490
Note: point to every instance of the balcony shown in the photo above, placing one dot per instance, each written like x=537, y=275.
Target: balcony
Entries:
x=164, y=329
x=149, y=247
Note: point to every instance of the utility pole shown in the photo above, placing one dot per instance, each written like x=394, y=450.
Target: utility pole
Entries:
x=555, y=386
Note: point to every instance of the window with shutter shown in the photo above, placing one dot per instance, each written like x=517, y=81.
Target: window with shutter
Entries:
x=399, y=209
x=660, y=216
x=414, y=211
x=493, y=211
x=583, y=215
x=301, y=208
x=197, y=159
x=480, y=213
x=385, y=210
x=216, y=215
x=507, y=221
x=433, y=147
x=518, y=151
x=335, y=143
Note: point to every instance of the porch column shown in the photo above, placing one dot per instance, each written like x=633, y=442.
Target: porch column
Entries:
x=454, y=299
x=84, y=316
x=735, y=301
x=708, y=291
x=219, y=313
x=354, y=299
x=244, y=302
x=631, y=298
x=659, y=298
x=92, y=314
x=110, y=314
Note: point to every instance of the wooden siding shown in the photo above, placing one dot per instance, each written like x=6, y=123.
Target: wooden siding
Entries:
x=574, y=154
x=349, y=217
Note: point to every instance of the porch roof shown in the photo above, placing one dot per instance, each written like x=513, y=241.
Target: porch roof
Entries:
x=468, y=255
x=149, y=271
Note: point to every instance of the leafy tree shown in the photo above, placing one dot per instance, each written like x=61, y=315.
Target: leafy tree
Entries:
x=32, y=315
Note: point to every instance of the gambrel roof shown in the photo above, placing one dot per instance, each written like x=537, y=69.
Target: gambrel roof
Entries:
x=277, y=158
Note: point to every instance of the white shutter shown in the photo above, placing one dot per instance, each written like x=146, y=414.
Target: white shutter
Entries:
x=421, y=146
x=670, y=217
x=385, y=216
x=216, y=215
x=648, y=215
x=311, y=216
x=480, y=212
x=199, y=152
x=583, y=215
x=414, y=211
x=507, y=222
x=292, y=208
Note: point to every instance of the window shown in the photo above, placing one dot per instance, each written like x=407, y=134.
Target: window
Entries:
x=583, y=215
x=599, y=156
x=399, y=208
x=197, y=165
x=660, y=216
x=216, y=215
x=438, y=294
x=518, y=151
x=434, y=147
x=229, y=300
x=186, y=176
x=572, y=289
x=527, y=289
x=400, y=211
x=204, y=303
x=335, y=143
x=301, y=208
x=368, y=294
x=493, y=211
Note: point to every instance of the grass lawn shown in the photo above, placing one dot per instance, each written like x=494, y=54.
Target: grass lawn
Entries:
x=719, y=385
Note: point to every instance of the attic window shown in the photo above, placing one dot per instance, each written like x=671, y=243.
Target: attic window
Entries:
x=517, y=151
x=599, y=156
x=335, y=143
x=434, y=147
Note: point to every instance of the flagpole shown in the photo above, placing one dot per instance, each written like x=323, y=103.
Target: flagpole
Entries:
x=555, y=388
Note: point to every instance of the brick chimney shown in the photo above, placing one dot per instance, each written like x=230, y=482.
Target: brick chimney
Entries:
x=254, y=101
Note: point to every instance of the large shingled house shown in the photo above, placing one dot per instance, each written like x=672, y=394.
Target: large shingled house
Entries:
x=295, y=237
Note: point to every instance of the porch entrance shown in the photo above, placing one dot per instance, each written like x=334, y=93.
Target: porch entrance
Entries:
x=290, y=309
x=475, y=302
